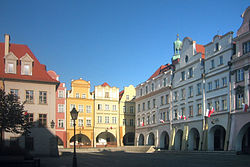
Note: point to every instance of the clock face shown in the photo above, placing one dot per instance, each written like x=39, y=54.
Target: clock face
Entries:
x=186, y=59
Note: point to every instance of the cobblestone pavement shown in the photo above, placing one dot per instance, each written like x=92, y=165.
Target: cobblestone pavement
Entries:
x=158, y=159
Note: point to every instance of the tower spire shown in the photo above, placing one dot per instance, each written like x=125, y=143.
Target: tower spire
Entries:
x=177, y=48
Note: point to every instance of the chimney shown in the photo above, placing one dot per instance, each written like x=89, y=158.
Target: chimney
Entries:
x=7, y=43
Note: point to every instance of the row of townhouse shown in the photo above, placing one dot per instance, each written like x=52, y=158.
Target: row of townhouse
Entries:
x=173, y=104
x=106, y=116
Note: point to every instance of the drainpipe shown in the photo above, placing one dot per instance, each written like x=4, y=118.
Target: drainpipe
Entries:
x=229, y=114
x=204, y=122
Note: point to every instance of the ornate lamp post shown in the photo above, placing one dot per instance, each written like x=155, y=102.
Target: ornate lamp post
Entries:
x=74, y=115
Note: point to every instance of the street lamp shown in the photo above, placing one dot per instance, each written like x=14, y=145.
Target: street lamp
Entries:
x=52, y=124
x=74, y=115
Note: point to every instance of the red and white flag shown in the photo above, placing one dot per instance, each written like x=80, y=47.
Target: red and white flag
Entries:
x=245, y=107
x=161, y=121
x=142, y=123
x=211, y=111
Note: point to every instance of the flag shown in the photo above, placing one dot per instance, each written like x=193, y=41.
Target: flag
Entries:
x=184, y=117
x=142, y=123
x=25, y=113
x=245, y=107
x=211, y=111
x=161, y=121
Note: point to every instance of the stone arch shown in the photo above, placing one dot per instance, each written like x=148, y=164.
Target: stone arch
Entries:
x=216, y=138
x=193, y=139
x=141, y=140
x=151, y=139
x=81, y=140
x=243, y=139
x=105, y=139
x=164, y=140
x=128, y=139
x=178, y=139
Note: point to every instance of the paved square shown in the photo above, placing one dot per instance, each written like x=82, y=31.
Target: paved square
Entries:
x=169, y=159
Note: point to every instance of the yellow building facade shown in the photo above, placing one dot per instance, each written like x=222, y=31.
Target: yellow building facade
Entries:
x=106, y=130
x=80, y=97
x=127, y=116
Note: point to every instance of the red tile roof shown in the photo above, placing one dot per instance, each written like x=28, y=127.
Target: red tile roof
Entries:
x=200, y=49
x=105, y=84
x=121, y=94
x=39, y=72
x=160, y=70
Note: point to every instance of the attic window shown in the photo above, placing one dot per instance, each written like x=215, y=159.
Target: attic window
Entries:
x=26, y=65
x=186, y=58
x=10, y=68
x=26, y=69
x=216, y=47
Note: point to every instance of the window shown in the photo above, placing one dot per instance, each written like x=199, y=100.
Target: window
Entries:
x=80, y=108
x=146, y=89
x=60, y=123
x=148, y=120
x=183, y=75
x=114, y=107
x=175, y=114
x=212, y=64
x=191, y=112
x=239, y=100
x=216, y=47
x=217, y=83
x=106, y=94
x=138, y=122
x=153, y=103
x=77, y=95
x=183, y=111
x=217, y=105
x=30, y=117
x=26, y=68
x=99, y=119
x=246, y=47
x=106, y=119
x=106, y=107
x=199, y=109
x=162, y=100
x=88, y=121
x=224, y=81
x=88, y=109
x=29, y=143
x=186, y=58
x=29, y=96
x=124, y=122
x=60, y=93
x=14, y=92
x=139, y=107
x=190, y=89
x=175, y=96
x=209, y=106
x=153, y=87
x=199, y=89
x=114, y=120
x=99, y=107
x=224, y=104
x=191, y=73
x=124, y=109
x=239, y=75
x=221, y=60
x=164, y=81
x=143, y=106
x=148, y=105
x=154, y=119
x=42, y=97
x=10, y=68
x=127, y=97
x=60, y=107
x=80, y=123
x=131, y=122
x=72, y=106
x=71, y=123
x=210, y=86
x=183, y=93
x=167, y=115
x=140, y=92
x=131, y=109
x=167, y=99
x=43, y=120
x=84, y=96
x=163, y=116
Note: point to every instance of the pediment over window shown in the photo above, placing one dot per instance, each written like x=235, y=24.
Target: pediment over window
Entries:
x=10, y=56
x=26, y=58
x=26, y=65
x=11, y=62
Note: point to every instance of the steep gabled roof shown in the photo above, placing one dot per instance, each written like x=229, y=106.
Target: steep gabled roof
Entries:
x=160, y=70
x=105, y=84
x=39, y=72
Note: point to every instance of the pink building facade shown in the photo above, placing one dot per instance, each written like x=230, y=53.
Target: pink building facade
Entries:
x=60, y=123
x=240, y=72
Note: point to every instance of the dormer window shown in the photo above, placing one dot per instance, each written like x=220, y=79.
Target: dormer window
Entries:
x=26, y=65
x=10, y=63
x=216, y=47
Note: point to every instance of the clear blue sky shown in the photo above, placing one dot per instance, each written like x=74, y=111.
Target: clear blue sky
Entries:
x=120, y=42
